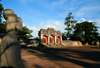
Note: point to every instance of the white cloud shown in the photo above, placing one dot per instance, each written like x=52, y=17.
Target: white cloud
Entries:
x=35, y=31
x=32, y=28
x=83, y=19
x=23, y=24
x=98, y=21
x=41, y=24
x=86, y=20
x=98, y=24
x=50, y=26
x=90, y=21
x=78, y=21
x=57, y=23
x=54, y=27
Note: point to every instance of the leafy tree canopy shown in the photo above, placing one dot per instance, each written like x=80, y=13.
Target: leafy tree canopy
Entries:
x=64, y=36
x=2, y=29
x=70, y=23
x=26, y=33
x=85, y=31
x=1, y=9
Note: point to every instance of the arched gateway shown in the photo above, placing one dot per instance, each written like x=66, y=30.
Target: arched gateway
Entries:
x=52, y=39
x=45, y=39
x=58, y=40
x=50, y=36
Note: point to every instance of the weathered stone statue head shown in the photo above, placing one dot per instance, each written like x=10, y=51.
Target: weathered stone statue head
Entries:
x=8, y=12
x=13, y=22
x=11, y=19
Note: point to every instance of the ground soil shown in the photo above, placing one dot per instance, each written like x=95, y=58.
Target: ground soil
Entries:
x=61, y=57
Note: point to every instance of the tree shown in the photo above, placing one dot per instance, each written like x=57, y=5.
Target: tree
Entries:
x=85, y=31
x=26, y=33
x=1, y=9
x=2, y=29
x=70, y=24
x=64, y=36
x=2, y=25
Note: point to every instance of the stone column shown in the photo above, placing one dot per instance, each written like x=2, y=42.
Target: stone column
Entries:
x=41, y=38
x=55, y=39
x=60, y=39
x=48, y=39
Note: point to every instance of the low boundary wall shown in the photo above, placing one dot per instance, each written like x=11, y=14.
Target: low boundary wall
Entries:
x=71, y=43
x=29, y=42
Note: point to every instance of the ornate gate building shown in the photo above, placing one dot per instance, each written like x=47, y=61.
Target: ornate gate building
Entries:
x=50, y=37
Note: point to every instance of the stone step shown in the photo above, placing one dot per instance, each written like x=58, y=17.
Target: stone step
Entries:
x=60, y=45
x=55, y=45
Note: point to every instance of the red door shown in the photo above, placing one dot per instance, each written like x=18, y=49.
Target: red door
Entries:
x=45, y=39
x=52, y=39
x=58, y=40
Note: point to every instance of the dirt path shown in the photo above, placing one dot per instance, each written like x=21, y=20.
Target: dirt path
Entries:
x=64, y=57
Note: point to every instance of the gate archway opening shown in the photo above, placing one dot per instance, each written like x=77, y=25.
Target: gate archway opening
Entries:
x=58, y=40
x=45, y=39
x=52, y=39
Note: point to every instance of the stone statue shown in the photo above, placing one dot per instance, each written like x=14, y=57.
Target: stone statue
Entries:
x=10, y=47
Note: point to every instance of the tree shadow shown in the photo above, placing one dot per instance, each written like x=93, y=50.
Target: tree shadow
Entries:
x=37, y=66
x=95, y=47
x=63, y=54
x=7, y=67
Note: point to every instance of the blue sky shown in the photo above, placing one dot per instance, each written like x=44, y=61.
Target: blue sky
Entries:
x=37, y=14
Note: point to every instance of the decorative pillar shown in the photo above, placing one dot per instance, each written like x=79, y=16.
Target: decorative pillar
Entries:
x=48, y=39
x=60, y=39
x=55, y=39
x=41, y=39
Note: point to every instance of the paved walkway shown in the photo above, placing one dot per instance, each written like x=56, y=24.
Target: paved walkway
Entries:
x=64, y=57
